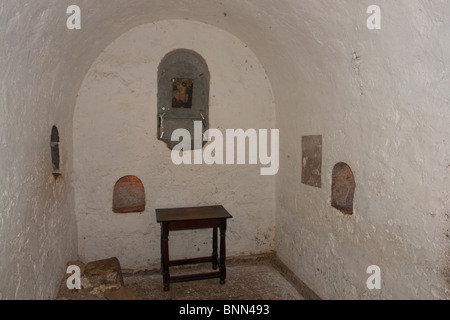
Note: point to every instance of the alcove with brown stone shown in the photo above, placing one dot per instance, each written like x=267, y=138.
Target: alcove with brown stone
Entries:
x=129, y=195
x=343, y=188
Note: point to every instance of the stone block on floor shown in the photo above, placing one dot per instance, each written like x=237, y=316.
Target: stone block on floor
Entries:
x=100, y=280
x=104, y=272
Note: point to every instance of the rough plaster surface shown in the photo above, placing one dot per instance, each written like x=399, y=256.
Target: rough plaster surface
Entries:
x=379, y=98
x=115, y=134
x=385, y=112
x=37, y=225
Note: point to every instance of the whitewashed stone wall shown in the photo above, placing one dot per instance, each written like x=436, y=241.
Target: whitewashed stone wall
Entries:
x=115, y=134
x=380, y=100
x=37, y=225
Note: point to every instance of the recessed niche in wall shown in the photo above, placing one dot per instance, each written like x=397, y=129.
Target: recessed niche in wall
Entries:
x=54, y=148
x=129, y=195
x=342, y=188
x=312, y=160
x=183, y=95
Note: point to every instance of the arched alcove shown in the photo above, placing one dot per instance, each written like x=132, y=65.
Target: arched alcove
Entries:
x=116, y=113
x=343, y=188
x=183, y=95
x=129, y=195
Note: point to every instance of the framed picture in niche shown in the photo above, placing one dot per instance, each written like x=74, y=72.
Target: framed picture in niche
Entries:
x=182, y=93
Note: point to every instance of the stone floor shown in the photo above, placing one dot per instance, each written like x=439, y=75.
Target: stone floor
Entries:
x=249, y=278
x=244, y=282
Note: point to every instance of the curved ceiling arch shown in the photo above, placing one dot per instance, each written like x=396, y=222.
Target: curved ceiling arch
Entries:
x=252, y=22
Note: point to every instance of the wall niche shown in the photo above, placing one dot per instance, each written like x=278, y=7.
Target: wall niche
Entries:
x=54, y=149
x=183, y=96
x=129, y=195
x=343, y=188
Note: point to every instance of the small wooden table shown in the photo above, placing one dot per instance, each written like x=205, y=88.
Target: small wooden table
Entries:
x=176, y=219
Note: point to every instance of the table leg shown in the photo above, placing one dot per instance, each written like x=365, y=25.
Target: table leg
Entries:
x=222, y=265
x=215, y=257
x=165, y=256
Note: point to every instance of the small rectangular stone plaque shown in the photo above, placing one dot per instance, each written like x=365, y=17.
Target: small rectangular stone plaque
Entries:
x=312, y=160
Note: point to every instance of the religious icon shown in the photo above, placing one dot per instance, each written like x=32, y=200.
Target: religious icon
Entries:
x=182, y=93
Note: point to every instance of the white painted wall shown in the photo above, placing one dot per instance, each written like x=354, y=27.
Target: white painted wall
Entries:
x=37, y=225
x=389, y=122
x=115, y=134
x=387, y=115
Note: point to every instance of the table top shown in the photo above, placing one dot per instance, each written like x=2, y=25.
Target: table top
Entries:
x=192, y=213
